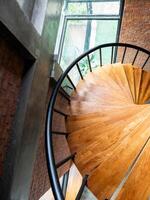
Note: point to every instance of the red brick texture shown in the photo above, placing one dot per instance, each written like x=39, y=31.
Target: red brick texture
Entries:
x=40, y=182
x=135, y=27
x=40, y=179
x=11, y=69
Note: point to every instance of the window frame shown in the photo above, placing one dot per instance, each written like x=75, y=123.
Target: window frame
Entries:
x=67, y=17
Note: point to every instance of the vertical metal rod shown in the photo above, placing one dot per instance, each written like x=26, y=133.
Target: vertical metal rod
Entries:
x=115, y=54
x=71, y=157
x=124, y=54
x=71, y=82
x=112, y=54
x=100, y=55
x=146, y=61
x=60, y=112
x=79, y=71
x=60, y=133
x=67, y=86
x=89, y=63
x=65, y=183
x=64, y=94
x=84, y=182
x=135, y=57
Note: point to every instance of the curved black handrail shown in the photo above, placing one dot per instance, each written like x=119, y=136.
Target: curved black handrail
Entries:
x=51, y=165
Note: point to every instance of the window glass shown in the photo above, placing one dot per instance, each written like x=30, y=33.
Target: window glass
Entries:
x=87, y=24
x=76, y=8
x=74, y=41
x=82, y=35
x=95, y=8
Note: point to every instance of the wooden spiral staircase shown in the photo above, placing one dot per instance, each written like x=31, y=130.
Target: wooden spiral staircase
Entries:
x=108, y=128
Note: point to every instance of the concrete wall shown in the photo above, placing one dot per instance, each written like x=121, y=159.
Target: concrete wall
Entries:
x=28, y=123
x=27, y=6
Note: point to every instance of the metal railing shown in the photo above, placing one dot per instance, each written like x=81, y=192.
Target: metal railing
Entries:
x=51, y=164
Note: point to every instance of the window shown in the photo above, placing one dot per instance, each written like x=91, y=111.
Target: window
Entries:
x=86, y=24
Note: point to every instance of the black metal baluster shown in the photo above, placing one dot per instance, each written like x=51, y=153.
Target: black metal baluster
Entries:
x=60, y=112
x=60, y=133
x=79, y=71
x=89, y=63
x=65, y=183
x=84, y=182
x=71, y=157
x=124, y=54
x=115, y=54
x=100, y=56
x=135, y=57
x=67, y=86
x=71, y=82
x=146, y=61
x=64, y=94
x=112, y=54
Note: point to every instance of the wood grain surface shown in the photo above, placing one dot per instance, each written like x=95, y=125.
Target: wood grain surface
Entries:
x=108, y=128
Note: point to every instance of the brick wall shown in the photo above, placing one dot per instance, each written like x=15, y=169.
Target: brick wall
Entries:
x=136, y=24
x=40, y=182
x=40, y=179
x=11, y=70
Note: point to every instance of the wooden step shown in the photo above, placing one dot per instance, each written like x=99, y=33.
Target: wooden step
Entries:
x=130, y=77
x=106, y=177
x=97, y=132
x=99, y=140
x=84, y=107
x=102, y=140
x=120, y=81
x=108, y=114
x=109, y=125
x=117, y=73
x=123, y=80
x=137, y=81
x=95, y=88
x=144, y=93
x=107, y=73
x=137, y=186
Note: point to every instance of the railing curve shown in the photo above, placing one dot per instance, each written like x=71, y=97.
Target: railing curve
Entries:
x=51, y=165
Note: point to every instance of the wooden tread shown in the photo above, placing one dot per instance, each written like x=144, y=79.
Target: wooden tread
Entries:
x=137, y=184
x=108, y=127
